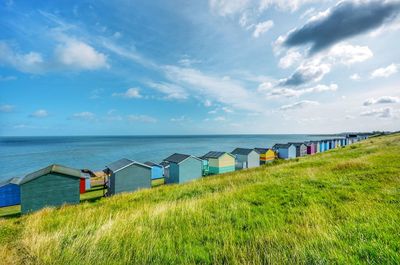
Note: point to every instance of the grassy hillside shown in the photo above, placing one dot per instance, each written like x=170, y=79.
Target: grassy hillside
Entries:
x=342, y=206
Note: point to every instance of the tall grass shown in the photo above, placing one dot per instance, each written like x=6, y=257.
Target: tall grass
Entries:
x=342, y=206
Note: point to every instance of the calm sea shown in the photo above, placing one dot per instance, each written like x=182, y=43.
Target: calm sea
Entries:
x=23, y=155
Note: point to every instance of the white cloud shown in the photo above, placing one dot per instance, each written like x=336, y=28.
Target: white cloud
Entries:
x=7, y=78
x=222, y=90
x=187, y=61
x=180, y=119
x=207, y=103
x=117, y=35
x=309, y=12
x=385, y=71
x=355, y=77
x=85, y=115
x=7, y=108
x=141, y=118
x=227, y=110
x=69, y=54
x=31, y=62
x=381, y=100
x=262, y=27
x=76, y=54
x=291, y=57
x=348, y=54
x=313, y=69
x=220, y=118
x=380, y=113
x=171, y=91
x=40, y=114
x=291, y=5
x=130, y=93
x=299, y=105
x=288, y=92
x=388, y=27
x=228, y=7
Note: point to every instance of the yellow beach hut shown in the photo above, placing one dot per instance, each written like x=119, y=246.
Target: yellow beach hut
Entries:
x=219, y=162
x=266, y=155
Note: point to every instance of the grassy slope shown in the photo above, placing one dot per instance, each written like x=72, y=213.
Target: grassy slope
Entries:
x=342, y=206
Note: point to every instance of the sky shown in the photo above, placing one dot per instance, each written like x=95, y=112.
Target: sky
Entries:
x=198, y=67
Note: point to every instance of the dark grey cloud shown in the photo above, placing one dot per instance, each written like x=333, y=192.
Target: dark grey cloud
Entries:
x=346, y=19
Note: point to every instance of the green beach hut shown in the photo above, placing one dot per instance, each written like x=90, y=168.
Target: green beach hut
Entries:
x=219, y=162
x=54, y=185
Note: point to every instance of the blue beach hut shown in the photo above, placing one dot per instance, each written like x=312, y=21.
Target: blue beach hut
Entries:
x=183, y=168
x=321, y=146
x=156, y=170
x=10, y=193
x=285, y=151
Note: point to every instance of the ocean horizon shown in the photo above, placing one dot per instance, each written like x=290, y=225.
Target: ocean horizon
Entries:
x=22, y=155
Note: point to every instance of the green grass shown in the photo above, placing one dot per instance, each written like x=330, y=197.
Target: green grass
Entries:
x=340, y=207
x=92, y=195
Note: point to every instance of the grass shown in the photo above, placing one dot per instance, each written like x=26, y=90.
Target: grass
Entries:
x=92, y=195
x=341, y=207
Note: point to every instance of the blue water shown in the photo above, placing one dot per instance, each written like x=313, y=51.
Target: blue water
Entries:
x=22, y=155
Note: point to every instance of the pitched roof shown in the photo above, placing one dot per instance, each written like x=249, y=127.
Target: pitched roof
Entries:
x=123, y=163
x=178, y=158
x=277, y=146
x=215, y=154
x=242, y=151
x=261, y=150
x=119, y=164
x=72, y=172
x=9, y=181
x=297, y=143
x=164, y=164
x=152, y=164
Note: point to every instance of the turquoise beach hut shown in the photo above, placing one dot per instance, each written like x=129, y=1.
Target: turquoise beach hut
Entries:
x=10, y=193
x=183, y=168
x=156, y=170
x=126, y=175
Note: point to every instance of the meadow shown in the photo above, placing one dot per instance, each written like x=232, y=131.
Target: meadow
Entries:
x=341, y=206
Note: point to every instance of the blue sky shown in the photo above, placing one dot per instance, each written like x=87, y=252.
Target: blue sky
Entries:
x=198, y=67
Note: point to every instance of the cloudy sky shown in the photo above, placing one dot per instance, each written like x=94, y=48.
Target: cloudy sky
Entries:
x=198, y=67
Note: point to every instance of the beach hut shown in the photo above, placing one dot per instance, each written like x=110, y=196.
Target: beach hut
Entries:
x=301, y=149
x=285, y=151
x=311, y=148
x=165, y=166
x=156, y=170
x=318, y=146
x=321, y=146
x=219, y=162
x=327, y=145
x=183, y=168
x=54, y=185
x=84, y=183
x=246, y=158
x=9, y=193
x=126, y=175
x=266, y=154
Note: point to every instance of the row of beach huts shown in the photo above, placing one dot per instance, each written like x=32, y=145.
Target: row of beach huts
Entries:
x=56, y=185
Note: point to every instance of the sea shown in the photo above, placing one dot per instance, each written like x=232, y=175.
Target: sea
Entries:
x=22, y=155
